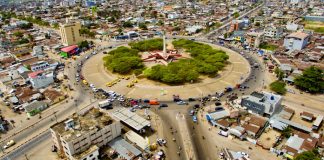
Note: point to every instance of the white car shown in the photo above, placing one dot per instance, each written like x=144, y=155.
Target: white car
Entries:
x=9, y=144
x=77, y=79
x=92, y=85
x=94, y=89
x=94, y=53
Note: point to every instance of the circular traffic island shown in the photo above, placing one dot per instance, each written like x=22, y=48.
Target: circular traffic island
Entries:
x=159, y=69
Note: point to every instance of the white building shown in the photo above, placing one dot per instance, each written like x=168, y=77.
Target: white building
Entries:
x=81, y=136
x=265, y=103
x=37, y=51
x=9, y=74
x=273, y=32
x=41, y=79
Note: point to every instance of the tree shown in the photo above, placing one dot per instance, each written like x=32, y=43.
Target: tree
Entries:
x=18, y=34
x=236, y=14
x=123, y=60
x=56, y=25
x=127, y=24
x=308, y=155
x=257, y=24
x=286, y=132
x=26, y=26
x=30, y=38
x=279, y=73
x=83, y=44
x=278, y=87
x=142, y=26
x=311, y=80
x=160, y=23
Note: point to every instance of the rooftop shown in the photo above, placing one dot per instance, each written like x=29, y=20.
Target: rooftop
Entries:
x=299, y=35
x=132, y=119
x=91, y=119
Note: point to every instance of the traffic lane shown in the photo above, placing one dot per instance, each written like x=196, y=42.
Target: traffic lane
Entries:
x=61, y=113
x=28, y=146
x=172, y=146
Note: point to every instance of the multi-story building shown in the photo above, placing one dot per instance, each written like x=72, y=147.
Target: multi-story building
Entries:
x=273, y=32
x=296, y=41
x=70, y=33
x=265, y=104
x=254, y=39
x=80, y=137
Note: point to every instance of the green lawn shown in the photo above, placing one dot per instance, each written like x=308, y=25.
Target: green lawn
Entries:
x=267, y=46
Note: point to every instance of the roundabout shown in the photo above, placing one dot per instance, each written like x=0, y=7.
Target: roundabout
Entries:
x=235, y=72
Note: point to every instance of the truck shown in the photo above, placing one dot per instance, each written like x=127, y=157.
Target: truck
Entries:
x=105, y=104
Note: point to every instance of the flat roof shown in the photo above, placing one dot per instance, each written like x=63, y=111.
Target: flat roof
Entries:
x=300, y=35
x=318, y=120
x=132, y=119
x=124, y=149
x=216, y=115
x=294, y=124
x=90, y=120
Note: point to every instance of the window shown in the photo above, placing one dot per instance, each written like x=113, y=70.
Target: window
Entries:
x=67, y=153
x=93, y=158
x=90, y=155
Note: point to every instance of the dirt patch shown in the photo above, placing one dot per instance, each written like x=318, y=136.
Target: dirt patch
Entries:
x=268, y=138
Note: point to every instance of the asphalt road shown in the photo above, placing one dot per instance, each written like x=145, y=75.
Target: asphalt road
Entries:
x=253, y=82
x=64, y=111
x=27, y=146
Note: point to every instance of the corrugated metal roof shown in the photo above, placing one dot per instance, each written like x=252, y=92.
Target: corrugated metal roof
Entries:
x=132, y=119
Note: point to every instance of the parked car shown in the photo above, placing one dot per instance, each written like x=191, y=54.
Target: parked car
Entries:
x=192, y=112
x=154, y=102
x=223, y=133
x=194, y=119
x=191, y=99
x=218, y=103
x=182, y=103
x=9, y=144
x=163, y=105
x=219, y=108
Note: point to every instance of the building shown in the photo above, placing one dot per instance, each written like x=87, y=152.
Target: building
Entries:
x=70, y=33
x=298, y=143
x=35, y=107
x=296, y=41
x=81, y=136
x=53, y=96
x=40, y=79
x=40, y=65
x=9, y=75
x=254, y=39
x=307, y=116
x=265, y=103
x=38, y=51
x=273, y=32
